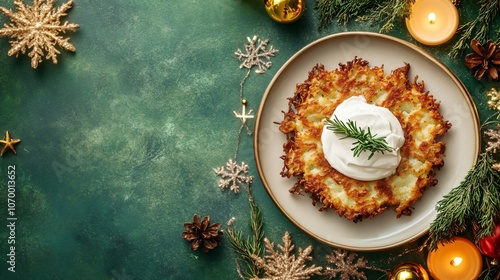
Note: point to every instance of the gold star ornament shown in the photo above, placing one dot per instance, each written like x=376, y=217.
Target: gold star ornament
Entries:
x=37, y=29
x=8, y=143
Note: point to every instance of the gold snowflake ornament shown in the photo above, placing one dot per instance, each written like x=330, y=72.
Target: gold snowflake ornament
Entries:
x=37, y=29
x=286, y=266
x=494, y=99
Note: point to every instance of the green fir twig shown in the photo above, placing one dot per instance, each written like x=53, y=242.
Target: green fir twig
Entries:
x=387, y=12
x=474, y=203
x=478, y=29
x=365, y=141
x=245, y=247
x=341, y=10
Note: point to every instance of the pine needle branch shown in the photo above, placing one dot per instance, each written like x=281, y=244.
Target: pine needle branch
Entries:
x=243, y=247
x=389, y=12
x=487, y=12
x=474, y=203
x=384, y=11
x=343, y=11
x=365, y=140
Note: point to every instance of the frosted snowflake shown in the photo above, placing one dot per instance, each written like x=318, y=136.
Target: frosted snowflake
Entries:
x=494, y=140
x=345, y=265
x=285, y=265
x=232, y=175
x=37, y=28
x=244, y=115
x=493, y=143
x=256, y=54
x=494, y=98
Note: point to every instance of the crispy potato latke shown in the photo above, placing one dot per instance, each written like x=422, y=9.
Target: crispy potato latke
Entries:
x=317, y=97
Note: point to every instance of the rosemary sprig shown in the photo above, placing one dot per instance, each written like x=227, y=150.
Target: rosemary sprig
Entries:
x=365, y=140
x=246, y=247
x=474, y=202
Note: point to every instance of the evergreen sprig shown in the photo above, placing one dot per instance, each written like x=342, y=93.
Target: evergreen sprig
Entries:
x=474, y=203
x=245, y=247
x=365, y=141
x=385, y=11
x=389, y=13
x=478, y=29
x=341, y=10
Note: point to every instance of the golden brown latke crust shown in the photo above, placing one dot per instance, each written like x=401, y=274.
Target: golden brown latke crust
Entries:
x=317, y=97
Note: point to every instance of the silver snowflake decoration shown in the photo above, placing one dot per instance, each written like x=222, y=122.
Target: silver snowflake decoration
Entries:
x=244, y=115
x=256, y=54
x=232, y=175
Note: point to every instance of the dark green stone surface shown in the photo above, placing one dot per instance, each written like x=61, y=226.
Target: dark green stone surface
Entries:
x=119, y=140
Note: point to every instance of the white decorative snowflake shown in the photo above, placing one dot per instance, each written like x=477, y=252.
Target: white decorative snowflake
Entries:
x=244, y=115
x=256, y=55
x=232, y=175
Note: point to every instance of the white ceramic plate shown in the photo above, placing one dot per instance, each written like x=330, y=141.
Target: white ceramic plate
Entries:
x=385, y=230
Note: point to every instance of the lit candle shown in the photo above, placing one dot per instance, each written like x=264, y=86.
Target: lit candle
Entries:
x=455, y=261
x=432, y=22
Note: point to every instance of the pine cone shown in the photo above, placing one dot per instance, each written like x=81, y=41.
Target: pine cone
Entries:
x=202, y=234
x=485, y=60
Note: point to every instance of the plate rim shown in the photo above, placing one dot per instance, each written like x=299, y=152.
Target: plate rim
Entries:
x=463, y=89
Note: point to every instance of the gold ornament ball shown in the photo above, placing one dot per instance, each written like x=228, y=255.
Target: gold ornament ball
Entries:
x=284, y=11
x=408, y=271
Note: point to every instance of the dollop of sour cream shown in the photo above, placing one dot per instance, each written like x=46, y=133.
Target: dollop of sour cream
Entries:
x=382, y=123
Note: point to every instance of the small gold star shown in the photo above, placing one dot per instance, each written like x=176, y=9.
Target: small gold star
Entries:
x=8, y=143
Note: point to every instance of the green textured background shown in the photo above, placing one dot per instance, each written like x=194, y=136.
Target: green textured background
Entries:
x=120, y=138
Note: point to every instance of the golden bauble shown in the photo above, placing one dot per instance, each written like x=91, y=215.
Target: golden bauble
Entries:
x=284, y=11
x=408, y=271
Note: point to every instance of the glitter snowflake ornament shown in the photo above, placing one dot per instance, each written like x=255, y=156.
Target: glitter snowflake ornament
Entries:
x=494, y=99
x=244, y=115
x=345, y=265
x=285, y=265
x=256, y=54
x=493, y=144
x=37, y=28
x=233, y=175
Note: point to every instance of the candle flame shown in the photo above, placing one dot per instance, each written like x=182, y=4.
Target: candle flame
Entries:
x=456, y=261
x=432, y=18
